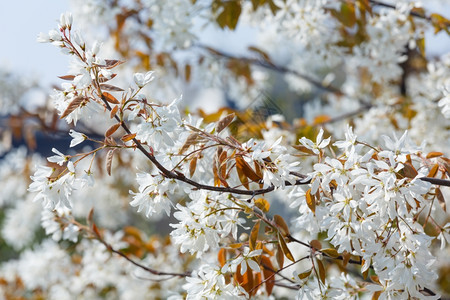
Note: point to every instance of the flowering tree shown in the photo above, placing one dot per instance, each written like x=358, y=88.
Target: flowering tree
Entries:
x=340, y=202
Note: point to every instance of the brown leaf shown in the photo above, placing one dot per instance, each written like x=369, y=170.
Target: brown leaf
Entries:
x=191, y=140
x=128, y=137
x=321, y=270
x=187, y=72
x=110, y=98
x=434, y=154
x=280, y=257
x=109, y=158
x=441, y=199
x=311, y=201
x=254, y=235
x=433, y=171
x=330, y=252
x=262, y=204
x=222, y=257
x=409, y=170
x=113, y=111
x=111, y=63
x=242, y=178
x=285, y=248
x=103, y=79
x=224, y=122
x=281, y=224
x=260, y=52
x=74, y=104
x=267, y=269
x=112, y=129
x=111, y=88
x=304, y=274
x=316, y=244
x=192, y=166
x=67, y=77
x=246, y=169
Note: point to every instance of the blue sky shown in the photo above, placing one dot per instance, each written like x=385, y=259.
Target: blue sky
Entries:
x=21, y=22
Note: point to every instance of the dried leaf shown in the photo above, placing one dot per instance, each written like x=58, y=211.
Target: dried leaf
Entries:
x=321, y=270
x=74, y=104
x=224, y=122
x=254, y=235
x=285, y=248
x=110, y=98
x=112, y=129
x=109, y=157
x=111, y=88
x=281, y=224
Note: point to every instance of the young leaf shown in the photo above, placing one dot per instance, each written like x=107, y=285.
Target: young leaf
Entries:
x=285, y=248
x=280, y=257
x=262, y=204
x=109, y=157
x=281, y=224
x=434, y=154
x=311, y=201
x=112, y=129
x=321, y=270
x=267, y=269
x=246, y=169
x=74, y=104
x=192, y=166
x=222, y=257
x=191, y=140
x=433, y=171
x=224, y=122
x=113, y=111
x=67, y=77
x=254, y=235
x=315, y=244
x=330, y=252
x=110, y=98
x=111, y=88
x=128, y=137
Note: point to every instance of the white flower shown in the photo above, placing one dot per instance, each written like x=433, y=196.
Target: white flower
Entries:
x=59, y=159
x=319, y=144
x=77, y=138
x=143, y=79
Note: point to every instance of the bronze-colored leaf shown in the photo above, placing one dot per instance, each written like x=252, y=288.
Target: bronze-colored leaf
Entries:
x=268, y=273
x=242, y=178
x=222, y=257
x=224, y=122
x=74, y=104
x=254, y=235
x=285, y=248
x=330, y=252
x=111, y=63
x=321, y=270
x=246, y=169
x=109, y=158
x=434, y=154
x=311, y=201
x=316, y=244
x=128, y=137
x=110, y=98
x=305, y=274
x=111, y=88
x=433, y=171
x=67, y=77
x=409, y=170
x=281, y=224
x=112, y=129
x=280, y=257
x=192, y=166
x=113, y=111
x=262, y=204
x=441, y=199
x=103, y=79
